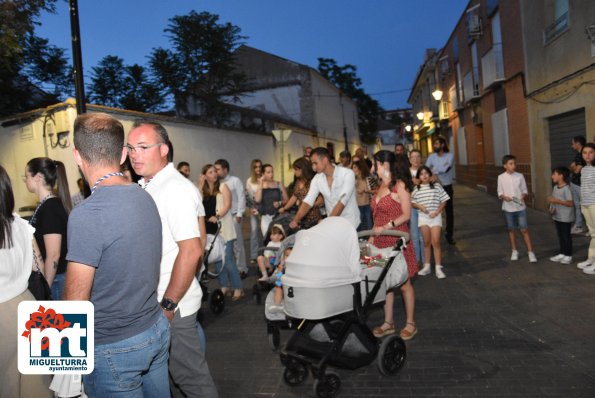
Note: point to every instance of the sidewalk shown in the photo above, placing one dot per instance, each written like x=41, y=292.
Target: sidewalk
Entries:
x=492, y=328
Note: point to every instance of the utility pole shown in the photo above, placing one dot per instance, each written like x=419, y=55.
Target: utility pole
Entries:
x=77, y=57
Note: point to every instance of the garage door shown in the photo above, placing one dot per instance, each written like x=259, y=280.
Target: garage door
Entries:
x=562, y=128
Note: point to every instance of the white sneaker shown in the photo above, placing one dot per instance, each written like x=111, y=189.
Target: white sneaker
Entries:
x=583, y=264
x=576, y=230
x=514, y=256
x=590, y=269
x=566, y=260
x=426, y=270
x=439, y=273
x=532, y=258
x=557, y=258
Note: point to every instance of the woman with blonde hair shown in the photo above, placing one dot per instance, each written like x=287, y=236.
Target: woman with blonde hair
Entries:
x=50, y=218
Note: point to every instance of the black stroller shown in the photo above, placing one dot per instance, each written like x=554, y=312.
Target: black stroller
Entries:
x=342, y=340
x=216, y=299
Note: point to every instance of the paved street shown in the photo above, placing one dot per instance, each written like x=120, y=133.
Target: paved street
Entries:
x=492, y=328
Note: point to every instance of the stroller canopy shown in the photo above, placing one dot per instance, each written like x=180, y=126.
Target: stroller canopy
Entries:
x=326, y=255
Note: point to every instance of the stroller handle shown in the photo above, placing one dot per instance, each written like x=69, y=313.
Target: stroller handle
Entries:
x=386, y=232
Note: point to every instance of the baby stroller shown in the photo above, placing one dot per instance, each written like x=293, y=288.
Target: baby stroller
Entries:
x=284, y=220
x=214, y=252
x=326, y=286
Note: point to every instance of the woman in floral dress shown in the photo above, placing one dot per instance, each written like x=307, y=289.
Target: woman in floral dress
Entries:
x=391, y=209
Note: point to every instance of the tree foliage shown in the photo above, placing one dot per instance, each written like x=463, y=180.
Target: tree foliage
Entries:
x=345, y=79
x=123, y=86
x=200, y=63
x=33, y=72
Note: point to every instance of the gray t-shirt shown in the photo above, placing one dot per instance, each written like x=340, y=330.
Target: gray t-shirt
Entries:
x=118, y=231
x=563, y=213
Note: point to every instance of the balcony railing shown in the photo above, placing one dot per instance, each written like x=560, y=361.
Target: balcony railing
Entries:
x=556, y=28
x=492, y=65
x=470, y=87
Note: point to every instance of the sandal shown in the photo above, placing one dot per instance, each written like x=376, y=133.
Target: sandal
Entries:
x=226, y=291
x=380, y=331
x=237, y=294
x=406, y=334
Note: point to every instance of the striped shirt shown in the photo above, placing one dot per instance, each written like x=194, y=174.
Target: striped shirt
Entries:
x=428, y=197
x=588, y=186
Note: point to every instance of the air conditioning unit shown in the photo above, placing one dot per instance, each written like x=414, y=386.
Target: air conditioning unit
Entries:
x=473, y=25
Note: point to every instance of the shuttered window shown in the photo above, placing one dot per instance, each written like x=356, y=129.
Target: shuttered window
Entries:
x=562, y=128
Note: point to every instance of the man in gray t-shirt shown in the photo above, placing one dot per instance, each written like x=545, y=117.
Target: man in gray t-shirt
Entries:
x=114, y=252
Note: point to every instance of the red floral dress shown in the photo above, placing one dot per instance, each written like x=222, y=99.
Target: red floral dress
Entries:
x=383, y=211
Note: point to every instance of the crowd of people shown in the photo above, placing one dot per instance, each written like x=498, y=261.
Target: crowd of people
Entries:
x=135, y=249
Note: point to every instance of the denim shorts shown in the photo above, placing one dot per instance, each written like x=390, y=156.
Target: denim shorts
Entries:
x=516, y=219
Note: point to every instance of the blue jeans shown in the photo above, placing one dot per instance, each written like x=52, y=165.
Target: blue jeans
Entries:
x=416, y=236
x=255, y=237
x=365, y=216
x=230, y=272
x=58, y=286
x=133, y=367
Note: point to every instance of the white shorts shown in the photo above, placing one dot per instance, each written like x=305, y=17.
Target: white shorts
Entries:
x=426, y=220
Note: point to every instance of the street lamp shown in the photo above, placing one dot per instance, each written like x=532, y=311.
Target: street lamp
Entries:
x=408, y=128
x=437, y=94
x=420, y=115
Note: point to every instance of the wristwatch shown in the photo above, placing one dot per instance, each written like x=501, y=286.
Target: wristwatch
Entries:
x=168, y=304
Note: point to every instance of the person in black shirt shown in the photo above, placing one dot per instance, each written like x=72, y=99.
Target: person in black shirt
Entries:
x=50, y=218
x=576, y=166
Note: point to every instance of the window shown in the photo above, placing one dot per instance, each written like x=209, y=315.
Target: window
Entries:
x=455, y=49
x=473, y=21
x=560, y=23
x=462, y=146
x=500, y=134
x=499, y=99
x=492, y=7
x=459, y=84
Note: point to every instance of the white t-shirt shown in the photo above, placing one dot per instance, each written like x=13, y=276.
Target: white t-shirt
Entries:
x=16, y=262
x=342, y=189
x=179, y=204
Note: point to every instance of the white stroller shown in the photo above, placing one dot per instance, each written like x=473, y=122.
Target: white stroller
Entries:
x=327, y=287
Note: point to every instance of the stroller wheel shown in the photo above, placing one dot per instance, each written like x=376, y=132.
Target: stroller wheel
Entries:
x=217, y=301
x=391, y=355
x=274, y=338
x=328, y=386
x=256, y=295
x=295, y=373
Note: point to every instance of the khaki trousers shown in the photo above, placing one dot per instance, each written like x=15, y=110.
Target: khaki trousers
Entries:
x=589, y=213
x=12, y=383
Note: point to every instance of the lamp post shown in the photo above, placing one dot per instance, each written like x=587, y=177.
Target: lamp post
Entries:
x=77, y=57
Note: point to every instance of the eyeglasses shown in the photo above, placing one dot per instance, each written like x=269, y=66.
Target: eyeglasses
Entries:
x=141, y=148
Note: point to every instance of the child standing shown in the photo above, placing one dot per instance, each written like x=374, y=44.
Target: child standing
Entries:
x=430, y=199
x=512, y=190
x=562, y=211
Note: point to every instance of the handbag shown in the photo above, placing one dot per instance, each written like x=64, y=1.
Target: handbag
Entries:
x=38, y=285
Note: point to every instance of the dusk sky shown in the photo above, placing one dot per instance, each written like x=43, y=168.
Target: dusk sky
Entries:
x=384, y=39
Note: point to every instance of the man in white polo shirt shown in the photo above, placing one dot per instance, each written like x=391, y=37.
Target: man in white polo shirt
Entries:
x=179, y=205
x=337, y=187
